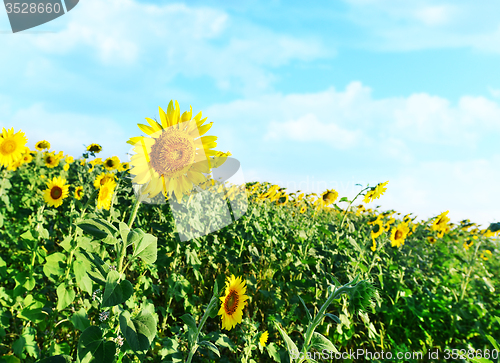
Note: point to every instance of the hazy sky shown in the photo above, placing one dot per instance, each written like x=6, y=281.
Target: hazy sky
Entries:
x=311, y=96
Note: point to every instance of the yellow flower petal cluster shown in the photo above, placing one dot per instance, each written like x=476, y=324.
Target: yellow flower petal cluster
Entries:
x=103, y=178
x=440, y=224
x=42, y=145
x=106, y=194
x=375, y=192
x=398, y=235
x=12, y=147
x=233, y=302
x=79, y=192
x=112, y=163
x=329, y=197
x=263, y=338
x=56, y=191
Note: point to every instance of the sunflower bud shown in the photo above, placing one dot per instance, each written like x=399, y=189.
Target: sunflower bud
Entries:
x=362, y=297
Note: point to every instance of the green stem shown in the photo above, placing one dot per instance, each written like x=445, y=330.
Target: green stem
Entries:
x=123, y=249
x=134, y=212
x=349, y=206
x=211, y=305
x=471, y=266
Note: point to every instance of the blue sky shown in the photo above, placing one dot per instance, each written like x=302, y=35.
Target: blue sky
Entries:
x=308, y=96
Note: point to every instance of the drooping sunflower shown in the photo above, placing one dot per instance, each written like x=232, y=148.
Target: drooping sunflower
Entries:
x=233, y=302
x=329, y=197
x=42, y=145
x=111, y=163
x=94, y=148
x=377, y=229
x=263, y=338
x=50, y=159
x=79, y=192
x=106, y=194
x=56, y=191
x=12, y=146
x=398, y=235
x=103, y=178
x=380, y=190
x=174, y=155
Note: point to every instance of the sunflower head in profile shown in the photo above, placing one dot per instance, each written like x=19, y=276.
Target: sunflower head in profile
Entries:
x=79, y=192
x=42, y=145
x=94, y=148
x=263, y=338
x=106, y=194
x=329, y=197
x=12, y=146
x=377, y=229
x=50, y=159
x=112, y=163
x=174, y=157
x=233, y=302
x=56, y=191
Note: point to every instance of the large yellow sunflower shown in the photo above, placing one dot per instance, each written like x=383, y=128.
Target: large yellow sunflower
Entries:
x=174, y=155
x=56, y=191
x=106, y=194
x=12, y=146
x=233, y=302
x=398, y=235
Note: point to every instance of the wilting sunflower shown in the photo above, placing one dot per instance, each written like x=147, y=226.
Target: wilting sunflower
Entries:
x=103, y=178
x=79, y=192
x=233, y=302
x=174, y=157
x=12, y=146
x=94, y=148
x=41, y=145
x=111, y=163
x=263, y=338
x=329, y=197
x=106, y=194
x=398, y=235
x=50, y=159
x=377, y=229
x=56, y=191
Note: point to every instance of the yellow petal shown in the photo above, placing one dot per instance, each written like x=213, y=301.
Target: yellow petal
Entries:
x=186, y=116
x=165, y=122
x=146, y=129
x=203, y=129
x=154, y=125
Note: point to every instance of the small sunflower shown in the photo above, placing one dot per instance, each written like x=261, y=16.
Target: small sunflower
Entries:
x=56, y=191
x=79, y=192
x=51, y=160
x=263, y=338
x=369, y=196
x=12, y=146
x=27, y=158
x=483, y=256
x=377, y=229
x=467, y=245
x=302, y=209
x=360, y=209
x=103, y=178
x=374, y=246
x=123, y=166
x=112, y=163
x=69, y=159
x=66, y=167
x=379, y=190
x=42, y=145
x=398, y=235
x=329, y=197
x=94, y=148
x=431, y=239
x=174, y=157
x=441, y=222
x=106, y=194
x=233, y=302
x=282, y=200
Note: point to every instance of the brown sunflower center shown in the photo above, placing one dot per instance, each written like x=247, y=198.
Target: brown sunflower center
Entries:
x=56, y=192
x=231, y=302
x=110, y=163
x=376, y=228
x=171, y=152
x=79, y=192
x=49, y=159
x=328, y=196
x=8, y=147
x=398, y=235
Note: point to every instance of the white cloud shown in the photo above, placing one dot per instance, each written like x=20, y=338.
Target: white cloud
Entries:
x=433, y=15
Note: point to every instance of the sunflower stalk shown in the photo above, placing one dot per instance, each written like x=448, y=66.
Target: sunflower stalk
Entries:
x=196, y=330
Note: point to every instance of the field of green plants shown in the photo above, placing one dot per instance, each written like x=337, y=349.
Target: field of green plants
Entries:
x=88, y=273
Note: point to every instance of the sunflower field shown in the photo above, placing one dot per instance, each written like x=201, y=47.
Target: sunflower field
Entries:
x=93, y=269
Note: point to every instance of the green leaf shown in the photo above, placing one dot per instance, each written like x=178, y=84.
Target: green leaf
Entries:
x=211, y=346
x=335, y=318
x=54, y=265
x=273, y=352
x=80, y=320
x=193, y=329
x=145, y=248
x=493, y=342
x=290, y=345
x=124, y=231
x=57, y=359
x=320, y=343
x=309, y=317
x=139, y=331
x=91, y=341
x=80, y=268
x=344, y=199
x=116, y=293
x=65, y=296
x=26, y=342
x=99, y=228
